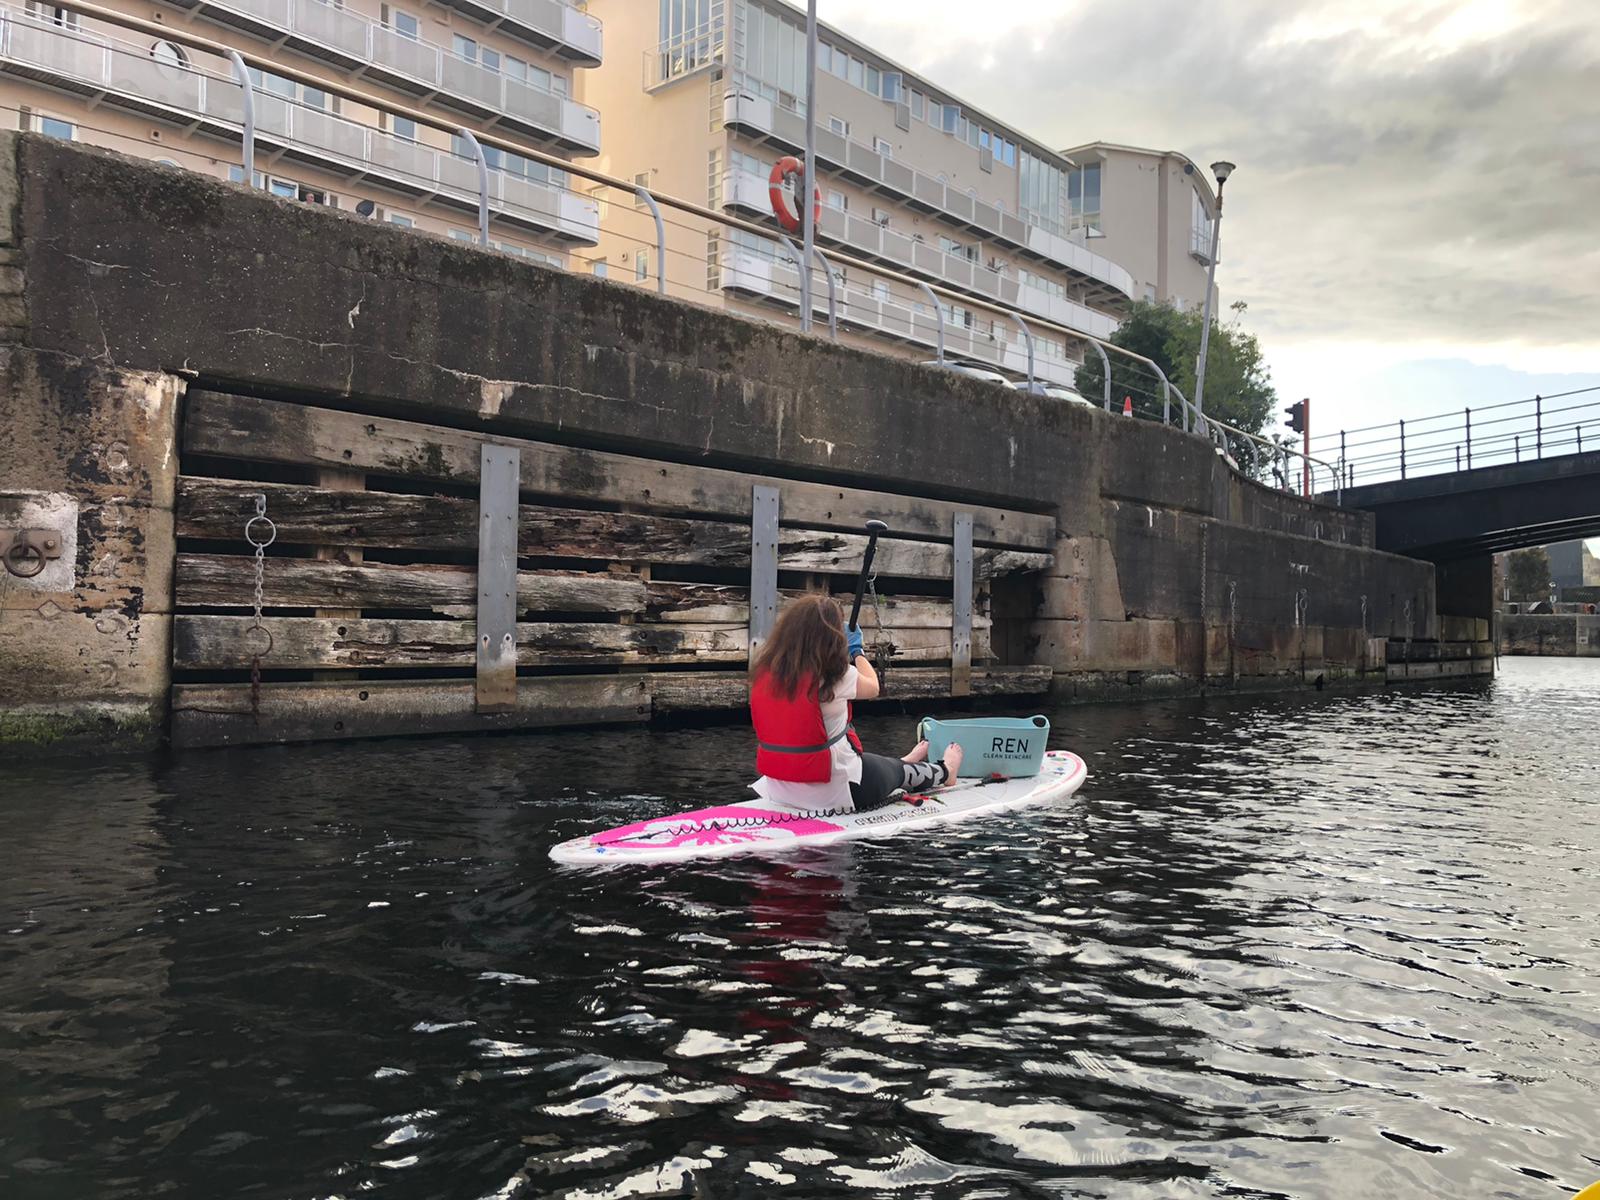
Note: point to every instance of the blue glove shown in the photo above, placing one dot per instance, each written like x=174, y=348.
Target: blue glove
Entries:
x=856, y=644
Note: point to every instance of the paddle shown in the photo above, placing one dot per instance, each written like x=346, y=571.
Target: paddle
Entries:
x=874, y=528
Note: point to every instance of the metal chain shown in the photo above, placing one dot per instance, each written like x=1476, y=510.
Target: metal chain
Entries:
x=883, y=647
x=257, y=633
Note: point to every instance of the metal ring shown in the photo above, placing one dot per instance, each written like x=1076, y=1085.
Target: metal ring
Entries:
x=271, y=537
x=265, y=632
x=17, y=557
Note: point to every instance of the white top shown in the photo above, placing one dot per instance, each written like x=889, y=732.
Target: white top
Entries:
x=810, y=797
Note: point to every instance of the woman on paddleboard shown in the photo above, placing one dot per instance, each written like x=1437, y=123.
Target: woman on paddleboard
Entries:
x=806, y=676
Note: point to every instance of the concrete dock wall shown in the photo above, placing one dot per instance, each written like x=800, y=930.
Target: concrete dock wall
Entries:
x=136, y=289
x=1566, y=635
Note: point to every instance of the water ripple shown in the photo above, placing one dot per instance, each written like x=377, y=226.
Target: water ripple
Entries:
x=1313, y=947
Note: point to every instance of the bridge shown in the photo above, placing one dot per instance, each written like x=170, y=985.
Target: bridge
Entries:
x=1457, y=488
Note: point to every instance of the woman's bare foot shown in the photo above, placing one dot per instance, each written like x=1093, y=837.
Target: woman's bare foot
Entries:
x=919, y=753
x=952, y=761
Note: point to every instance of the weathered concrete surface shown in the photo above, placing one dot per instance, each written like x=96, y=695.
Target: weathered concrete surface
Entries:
x=84, y=656
x=1171, y=571
x=1566, y=635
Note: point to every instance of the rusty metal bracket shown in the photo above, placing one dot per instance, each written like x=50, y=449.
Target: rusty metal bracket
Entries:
x=27, y=552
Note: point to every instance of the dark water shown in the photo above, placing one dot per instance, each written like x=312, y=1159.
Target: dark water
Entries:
x=1327, y=946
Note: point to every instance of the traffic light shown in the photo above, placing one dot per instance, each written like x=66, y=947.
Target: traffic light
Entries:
x=1297, y=416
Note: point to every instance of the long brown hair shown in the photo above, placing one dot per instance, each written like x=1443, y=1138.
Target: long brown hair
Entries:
x=807, y=642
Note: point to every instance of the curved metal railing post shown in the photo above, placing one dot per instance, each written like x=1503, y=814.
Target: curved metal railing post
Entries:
x=938, y=315
x=833, y=293
x=483, y=183
x=242, y=74
x=661, y=238
x=1027, y=340
x=1105, y=364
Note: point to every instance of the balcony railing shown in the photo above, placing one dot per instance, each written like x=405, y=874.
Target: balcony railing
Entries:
x=330, y=32
x=864, y=165
x=124, y=74
x=553, y=25
x=746, y=190
x=775, y=280
x=684, y=55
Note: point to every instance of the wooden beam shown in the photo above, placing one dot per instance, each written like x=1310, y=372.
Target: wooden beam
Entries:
x=209, y=714
x=214, y=508
x=227, y=581
x=694, y=691
x=212, y=643
x=274, y=431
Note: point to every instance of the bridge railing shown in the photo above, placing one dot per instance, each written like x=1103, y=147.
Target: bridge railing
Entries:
x=1491, y=435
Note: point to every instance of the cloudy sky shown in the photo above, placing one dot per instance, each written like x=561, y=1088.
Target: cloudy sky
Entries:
x=1415, y=222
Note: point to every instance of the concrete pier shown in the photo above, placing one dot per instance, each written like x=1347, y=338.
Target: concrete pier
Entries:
x=175, y=347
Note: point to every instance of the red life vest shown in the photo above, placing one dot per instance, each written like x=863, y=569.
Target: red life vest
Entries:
x=792, y=742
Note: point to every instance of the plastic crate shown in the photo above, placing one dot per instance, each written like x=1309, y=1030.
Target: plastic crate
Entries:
x=1009, y=746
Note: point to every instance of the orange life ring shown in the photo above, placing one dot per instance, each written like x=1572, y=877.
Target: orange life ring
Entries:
x=778, y=190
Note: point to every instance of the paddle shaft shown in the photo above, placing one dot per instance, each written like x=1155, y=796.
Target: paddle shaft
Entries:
x=874, y=528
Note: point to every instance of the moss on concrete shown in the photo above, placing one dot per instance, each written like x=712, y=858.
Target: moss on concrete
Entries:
x=103, y=728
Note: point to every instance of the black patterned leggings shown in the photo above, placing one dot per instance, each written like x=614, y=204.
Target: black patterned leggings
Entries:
x=882, y=777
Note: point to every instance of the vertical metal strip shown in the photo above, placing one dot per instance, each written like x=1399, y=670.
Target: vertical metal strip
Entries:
x=763, y=564
x=961, y=610
x=498, y=483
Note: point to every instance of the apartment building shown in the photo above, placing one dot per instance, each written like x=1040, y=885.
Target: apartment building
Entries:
x=702, y=97
x=506, y=66
x=1151, y=211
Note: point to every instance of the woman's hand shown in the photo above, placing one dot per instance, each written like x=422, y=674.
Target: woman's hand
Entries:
x=856, y=644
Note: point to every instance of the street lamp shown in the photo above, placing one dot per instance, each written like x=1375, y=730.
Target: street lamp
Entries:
x=1221, y=170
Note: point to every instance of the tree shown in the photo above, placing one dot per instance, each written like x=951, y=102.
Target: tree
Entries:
x=1528, y=574
x=1238, y=383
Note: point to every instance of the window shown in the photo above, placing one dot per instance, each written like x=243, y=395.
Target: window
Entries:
x=858, y=72
x=464, y=47
x=168, y=55
x=983, y=139
x=403, y=221
x=952, y=118
x=883, y=147
x=57, y=128
x=641, y=265
x=824, y=57
x=1083, y=197
x=316, y=98
x=880, y=290
x=874, y=81
x=403, y=23
x=403, y=127
x=917, y=103
x=839, y=126
x=891, y=85
x=598, y=268
x=1199, y=226
x=839, y=201
x=881, y=216
x=284, y=188
x=52, y=14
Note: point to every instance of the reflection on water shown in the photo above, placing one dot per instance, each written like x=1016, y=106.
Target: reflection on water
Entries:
x=1324, y=946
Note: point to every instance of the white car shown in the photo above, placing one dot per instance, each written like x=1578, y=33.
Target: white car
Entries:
x=971, y=370
x=1054, y=391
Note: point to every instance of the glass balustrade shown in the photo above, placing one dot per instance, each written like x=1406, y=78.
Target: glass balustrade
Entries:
x=128, y=76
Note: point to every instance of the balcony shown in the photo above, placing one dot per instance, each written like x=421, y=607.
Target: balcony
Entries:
x=764, y=121
x=867, y=239
x=353, y=43
x=690, y=53
x=1200, y=246
x=775, y=281
x=124, y=75
x=552, y=25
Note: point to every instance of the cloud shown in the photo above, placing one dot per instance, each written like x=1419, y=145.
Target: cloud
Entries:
x=1410, y=173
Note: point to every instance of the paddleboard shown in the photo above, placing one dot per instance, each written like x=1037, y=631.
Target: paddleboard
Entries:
x=757, y=826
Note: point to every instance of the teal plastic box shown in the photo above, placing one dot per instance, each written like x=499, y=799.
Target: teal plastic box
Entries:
x=1009, y=746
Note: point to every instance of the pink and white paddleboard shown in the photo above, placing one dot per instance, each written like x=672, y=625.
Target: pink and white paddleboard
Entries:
x=759, y=827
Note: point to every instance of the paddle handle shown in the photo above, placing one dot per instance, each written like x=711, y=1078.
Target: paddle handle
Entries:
x=874, y=528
